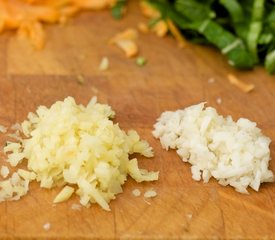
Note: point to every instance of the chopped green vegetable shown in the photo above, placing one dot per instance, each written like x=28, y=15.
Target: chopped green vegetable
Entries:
x=237, y=17
x=243, y=30
x=235, y=10
x=265, y=38
x=255, y=27
x=141, y=61
x=194, y=10
x=229, y=45
x=271, y=19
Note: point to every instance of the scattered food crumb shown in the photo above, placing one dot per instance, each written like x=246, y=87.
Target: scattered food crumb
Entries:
x=28, y=90
x=245, y=87
x=136, y=192
x=160, y=28
x=219, y=100
x=128, y=34
x=104, y=64
x=176, y=33
x=126, y=41
x=189, y=216
x=150, y=194
x=82, y=56
x=94, y=90
x=16, y=126
x=26, y=175
x=12, y=147
x=4, y=171
x=15, y=136
x=211, y=80
x=76, y=207
x=80, y=79
x=143, y=27
x=64, y=194
x=147, y=201
x=47, y=226
x=128, y=46
x=3, y=129
x=148, y=11
x=141, y=61
x=13, y=188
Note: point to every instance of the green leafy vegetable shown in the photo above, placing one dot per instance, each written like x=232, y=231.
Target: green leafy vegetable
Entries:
x=229, y=45
x=255, y=27
x=243, y=30
x=235, y=10
x=194, y=10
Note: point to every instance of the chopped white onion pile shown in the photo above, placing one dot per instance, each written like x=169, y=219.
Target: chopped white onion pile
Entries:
x=235, y=153
x=79, y=148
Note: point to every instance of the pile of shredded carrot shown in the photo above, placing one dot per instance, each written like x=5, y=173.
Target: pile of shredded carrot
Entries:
x=28, y=16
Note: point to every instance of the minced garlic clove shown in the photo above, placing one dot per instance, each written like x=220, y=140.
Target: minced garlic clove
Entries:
x=3, y=129
x=27, y=175
x=136, y=192
x=150, y=194
x=104, y=64
x=4, y=171
x=64, y=194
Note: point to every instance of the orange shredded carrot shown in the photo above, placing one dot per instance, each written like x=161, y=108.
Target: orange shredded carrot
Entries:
x=148, y=11
x=34, y=31
x=126, y=41
x=143, y=27
x=128, y=34
x=245, y=87
x=160, y=28
x=27, y=16
x=176, y=33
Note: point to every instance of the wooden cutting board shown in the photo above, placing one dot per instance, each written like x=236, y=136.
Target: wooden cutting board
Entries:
x=173, y=78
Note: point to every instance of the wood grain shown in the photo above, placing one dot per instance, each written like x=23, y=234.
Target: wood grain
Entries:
x=173, y=78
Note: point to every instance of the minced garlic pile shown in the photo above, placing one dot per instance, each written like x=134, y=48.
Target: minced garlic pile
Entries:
x=78, y=148
x=234, y=153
